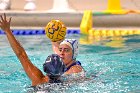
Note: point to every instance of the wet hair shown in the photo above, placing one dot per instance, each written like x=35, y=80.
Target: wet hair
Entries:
x=54, y=68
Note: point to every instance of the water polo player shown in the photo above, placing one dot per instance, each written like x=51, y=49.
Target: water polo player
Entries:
x=36, y=76
x=68, y=51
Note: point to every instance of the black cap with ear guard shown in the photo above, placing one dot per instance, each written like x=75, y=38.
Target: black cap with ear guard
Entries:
x=53, y=66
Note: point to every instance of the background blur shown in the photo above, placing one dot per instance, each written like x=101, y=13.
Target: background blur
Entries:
x=40, y=17
x=79, y=5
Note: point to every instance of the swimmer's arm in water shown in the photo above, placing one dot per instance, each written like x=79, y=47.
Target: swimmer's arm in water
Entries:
x=32, y=71
x=74, y=69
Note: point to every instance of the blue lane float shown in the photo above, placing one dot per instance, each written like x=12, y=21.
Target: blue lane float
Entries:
x=37, y=31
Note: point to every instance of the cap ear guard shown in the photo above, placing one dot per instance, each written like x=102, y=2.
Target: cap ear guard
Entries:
x=54, y=66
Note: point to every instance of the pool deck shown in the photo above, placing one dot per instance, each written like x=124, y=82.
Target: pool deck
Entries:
x=41, y=16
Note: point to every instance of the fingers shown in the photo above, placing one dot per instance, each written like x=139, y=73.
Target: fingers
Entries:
x=0, y=18
x=4, y=16
x=4, y=19
x=10, y=19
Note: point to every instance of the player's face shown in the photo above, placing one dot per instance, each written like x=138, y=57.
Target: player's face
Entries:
x=65, y=52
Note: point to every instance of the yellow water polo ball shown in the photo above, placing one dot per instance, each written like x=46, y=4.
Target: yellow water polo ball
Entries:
x=55, y=30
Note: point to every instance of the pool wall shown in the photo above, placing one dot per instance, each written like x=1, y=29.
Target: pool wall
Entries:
x=40, y=19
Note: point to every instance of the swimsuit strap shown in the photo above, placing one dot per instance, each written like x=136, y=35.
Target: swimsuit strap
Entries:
x=75, y=63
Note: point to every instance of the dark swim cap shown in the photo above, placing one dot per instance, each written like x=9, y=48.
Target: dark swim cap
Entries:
x=53, y=66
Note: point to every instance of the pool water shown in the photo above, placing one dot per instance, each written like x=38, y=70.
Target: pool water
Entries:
x=112, y=64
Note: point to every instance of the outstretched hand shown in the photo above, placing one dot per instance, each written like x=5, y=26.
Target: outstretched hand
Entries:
x=4, y=23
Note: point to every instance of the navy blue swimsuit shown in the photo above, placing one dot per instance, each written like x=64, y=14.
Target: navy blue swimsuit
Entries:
x=75, y=63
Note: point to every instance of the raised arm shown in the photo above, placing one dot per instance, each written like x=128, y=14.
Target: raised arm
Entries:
x=32, y=71
x=55, y=46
